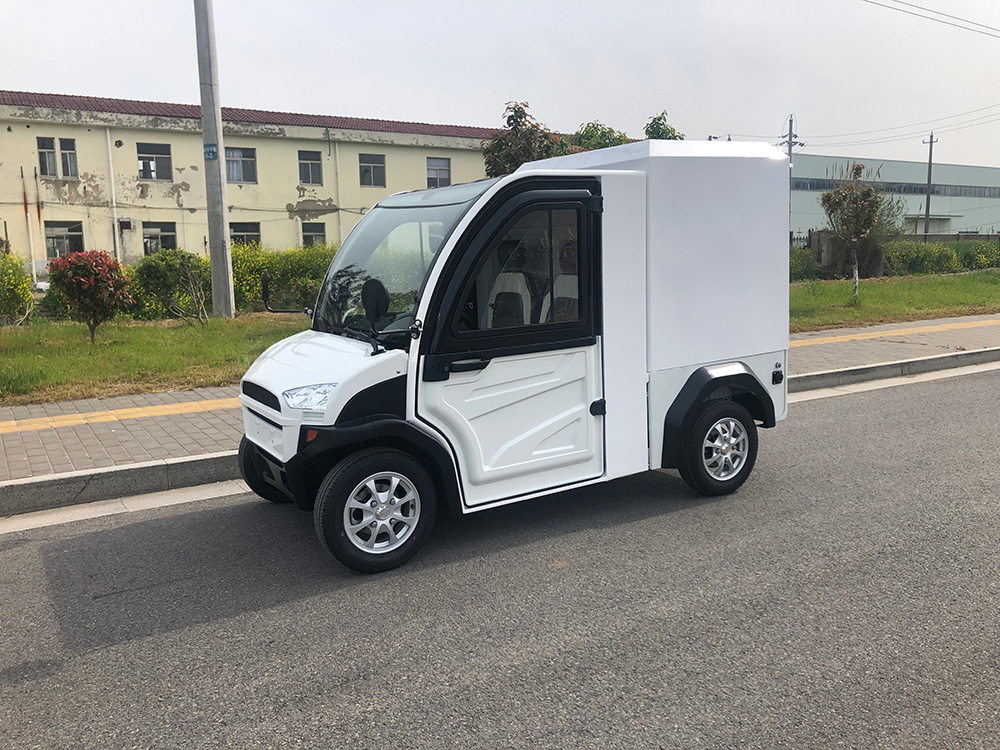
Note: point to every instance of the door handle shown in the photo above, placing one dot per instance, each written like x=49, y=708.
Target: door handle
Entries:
x=467, y=366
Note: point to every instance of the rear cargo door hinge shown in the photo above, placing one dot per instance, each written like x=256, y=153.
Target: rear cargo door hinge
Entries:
x=595, y=204
x=599, y=408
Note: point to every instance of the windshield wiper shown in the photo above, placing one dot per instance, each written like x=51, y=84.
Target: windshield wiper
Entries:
x=348, y=332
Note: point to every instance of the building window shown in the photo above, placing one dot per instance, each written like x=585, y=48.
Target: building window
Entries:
x=67, y=149
x=47, y=157
x=241, y=164
x=154, y=161
x=158, y=235
x=372, y=169
x=438, y=172
x=313, y=233
x=244, y=232
x=63, y=237
x=310, y=168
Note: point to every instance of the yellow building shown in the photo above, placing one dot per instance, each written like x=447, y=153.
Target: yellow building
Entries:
x=84, y=173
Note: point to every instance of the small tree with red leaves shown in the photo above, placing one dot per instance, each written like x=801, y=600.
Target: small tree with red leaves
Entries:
x=94, y=285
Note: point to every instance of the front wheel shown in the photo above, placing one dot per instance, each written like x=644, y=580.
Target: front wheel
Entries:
x=375, y=509
x=721, y=448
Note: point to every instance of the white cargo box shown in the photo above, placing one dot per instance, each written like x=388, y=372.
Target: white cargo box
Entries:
x=716, y=245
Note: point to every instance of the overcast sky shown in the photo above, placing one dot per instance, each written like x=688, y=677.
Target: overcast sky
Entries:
x=717, y=66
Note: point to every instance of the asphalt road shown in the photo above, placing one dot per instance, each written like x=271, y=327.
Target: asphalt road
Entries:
x=847, y=596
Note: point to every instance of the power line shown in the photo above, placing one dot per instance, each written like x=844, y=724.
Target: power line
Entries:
x=939, y=13
x=933, y=121
x=984, y=120
x=910, y=125
x=938, y=20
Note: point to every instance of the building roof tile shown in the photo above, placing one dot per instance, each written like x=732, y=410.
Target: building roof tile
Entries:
x=236, y=114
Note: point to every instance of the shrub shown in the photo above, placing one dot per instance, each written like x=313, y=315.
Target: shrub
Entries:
x=911, y=257
x=295, y=275
x=801, y=264
x=94, y=285
x=144, y=306
x=15, y=291
x=977, y=254
x=175, y=281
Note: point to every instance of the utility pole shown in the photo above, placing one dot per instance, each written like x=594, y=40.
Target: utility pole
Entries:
x=790, y=142
x=223, y=303
x=930, y=163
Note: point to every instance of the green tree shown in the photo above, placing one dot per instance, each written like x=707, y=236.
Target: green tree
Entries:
x=93, y=284
x=659, y=129
x=862, y=219
x=523, y=140
x=595, y=135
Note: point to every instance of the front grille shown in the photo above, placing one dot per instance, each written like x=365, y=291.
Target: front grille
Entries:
x=258, y=393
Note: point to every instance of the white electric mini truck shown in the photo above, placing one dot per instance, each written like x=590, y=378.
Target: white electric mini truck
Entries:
x=586, y=318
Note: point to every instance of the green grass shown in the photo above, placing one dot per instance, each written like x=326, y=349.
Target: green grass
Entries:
x=47, y=362
x=816, y=305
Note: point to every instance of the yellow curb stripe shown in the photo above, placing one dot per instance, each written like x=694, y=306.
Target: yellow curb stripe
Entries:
x=117, y=415
x=897, y=332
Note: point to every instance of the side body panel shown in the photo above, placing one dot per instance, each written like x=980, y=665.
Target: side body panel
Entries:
x=665, y=385
x=623, y=263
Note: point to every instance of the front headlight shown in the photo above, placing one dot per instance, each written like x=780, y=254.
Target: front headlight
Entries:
x=309, y=397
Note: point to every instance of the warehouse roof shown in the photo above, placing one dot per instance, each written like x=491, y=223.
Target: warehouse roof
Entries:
x=235, y=114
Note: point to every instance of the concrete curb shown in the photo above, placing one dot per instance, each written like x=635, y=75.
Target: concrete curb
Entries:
x=849, y=375
x=75, y=487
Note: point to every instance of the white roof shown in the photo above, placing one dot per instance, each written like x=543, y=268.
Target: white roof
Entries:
x=632, y=155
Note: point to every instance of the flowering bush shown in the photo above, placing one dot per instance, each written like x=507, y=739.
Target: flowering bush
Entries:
x=15, y=291
x=94, y=284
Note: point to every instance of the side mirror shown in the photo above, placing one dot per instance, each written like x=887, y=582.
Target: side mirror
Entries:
x=265, y=289
x=375, y=300
x=265, y=294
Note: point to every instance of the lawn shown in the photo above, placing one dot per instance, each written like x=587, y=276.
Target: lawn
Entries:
x=46, y=361
x=816, y=305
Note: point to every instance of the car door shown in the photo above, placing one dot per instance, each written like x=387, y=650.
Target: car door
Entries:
x=511, y=375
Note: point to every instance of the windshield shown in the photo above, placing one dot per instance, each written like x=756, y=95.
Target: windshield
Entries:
x=396, y=242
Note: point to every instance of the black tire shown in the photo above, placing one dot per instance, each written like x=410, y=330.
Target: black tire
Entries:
x=414, y=498
x=704, y=467
x=251, y=475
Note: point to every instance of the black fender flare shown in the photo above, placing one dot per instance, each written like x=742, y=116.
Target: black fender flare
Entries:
x=734, y=381
x=329, y=445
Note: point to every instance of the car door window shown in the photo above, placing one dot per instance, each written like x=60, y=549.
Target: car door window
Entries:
x=528, y=275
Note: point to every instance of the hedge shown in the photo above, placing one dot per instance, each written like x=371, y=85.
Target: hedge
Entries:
x=912, y=257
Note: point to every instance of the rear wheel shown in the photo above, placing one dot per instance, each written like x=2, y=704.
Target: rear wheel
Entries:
x=721, y=448
x=252, y=476
x=375, y=509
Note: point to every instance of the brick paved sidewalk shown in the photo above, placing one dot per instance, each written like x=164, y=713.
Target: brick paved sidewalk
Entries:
x=47, y=439
x=29, y=448
x=854, y=347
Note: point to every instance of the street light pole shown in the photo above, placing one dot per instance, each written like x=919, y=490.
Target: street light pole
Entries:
x=223, y=302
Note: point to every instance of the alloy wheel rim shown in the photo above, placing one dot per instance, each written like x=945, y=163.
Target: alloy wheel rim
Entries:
x=725, y=448
x=381, y=512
